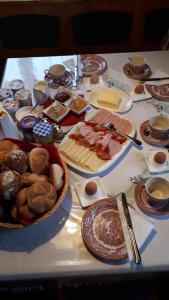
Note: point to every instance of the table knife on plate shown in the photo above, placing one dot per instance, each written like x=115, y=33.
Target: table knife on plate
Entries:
x=135, y=250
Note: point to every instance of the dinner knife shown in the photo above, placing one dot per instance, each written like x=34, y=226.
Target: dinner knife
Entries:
x=135, y=250
x=154, y=79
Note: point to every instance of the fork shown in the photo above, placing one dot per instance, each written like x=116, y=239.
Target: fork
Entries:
x=111, y=127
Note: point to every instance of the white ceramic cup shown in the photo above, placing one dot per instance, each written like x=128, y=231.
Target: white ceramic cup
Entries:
x=159, y=126
x=56, y=71
x=157, y=189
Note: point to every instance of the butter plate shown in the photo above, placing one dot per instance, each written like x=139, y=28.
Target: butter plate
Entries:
x=125, y=101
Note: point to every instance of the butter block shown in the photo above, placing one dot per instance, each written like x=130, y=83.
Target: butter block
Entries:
x=109, y=98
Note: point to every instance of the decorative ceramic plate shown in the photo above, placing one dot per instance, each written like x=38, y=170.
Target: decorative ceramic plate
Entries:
x=160, y=92
x=142, y=200
x=92, y=63
x=127, y=69
x=70, y=158
x=147, y=136
x=125, y=100
x=102, y=230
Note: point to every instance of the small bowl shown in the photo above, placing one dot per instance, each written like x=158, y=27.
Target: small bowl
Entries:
x=157, y=189
x=50, y=111
x=83, y=105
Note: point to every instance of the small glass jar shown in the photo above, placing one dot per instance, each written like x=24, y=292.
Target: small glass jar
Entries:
x=26, y=125
x=43, y=133
x=25, y=97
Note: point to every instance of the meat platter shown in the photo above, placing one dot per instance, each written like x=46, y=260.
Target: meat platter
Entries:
x=91, y=149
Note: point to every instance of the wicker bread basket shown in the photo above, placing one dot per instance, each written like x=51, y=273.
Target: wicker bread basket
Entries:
x=55, y=157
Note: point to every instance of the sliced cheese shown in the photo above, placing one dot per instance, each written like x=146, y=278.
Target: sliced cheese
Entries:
x=94, y=163
x=109, y=98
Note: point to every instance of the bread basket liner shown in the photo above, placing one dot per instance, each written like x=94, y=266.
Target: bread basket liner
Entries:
x=53, y=151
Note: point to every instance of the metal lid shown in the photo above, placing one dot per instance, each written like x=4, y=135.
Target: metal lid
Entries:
x=42, y=129
x=28, y=122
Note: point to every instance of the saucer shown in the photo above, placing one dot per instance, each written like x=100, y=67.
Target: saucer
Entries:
x=102, y=230
x=142, y=202
x=160, y=92
x=55, y=83
x=129, y=73
x=149, y=138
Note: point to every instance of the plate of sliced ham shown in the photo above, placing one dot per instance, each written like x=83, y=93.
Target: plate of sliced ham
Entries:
x=92, y=149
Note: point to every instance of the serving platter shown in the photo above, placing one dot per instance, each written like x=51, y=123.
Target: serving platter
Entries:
x=106, y=163
x=125, y=102
x=102, y=230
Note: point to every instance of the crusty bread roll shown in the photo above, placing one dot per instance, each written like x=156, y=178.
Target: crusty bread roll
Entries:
x=39, y=161
x=21, y=204
x=16, y=160
x=41, y=196
x=30, y=178
x=5, y=147
x=56, y=173
x=10, y=183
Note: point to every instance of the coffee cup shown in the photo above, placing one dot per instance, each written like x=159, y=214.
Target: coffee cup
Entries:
x=56, y=71
x=159, y=127
x=138, y=65
x=157, y=189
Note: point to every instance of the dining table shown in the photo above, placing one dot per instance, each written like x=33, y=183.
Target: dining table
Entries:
x=54, y=248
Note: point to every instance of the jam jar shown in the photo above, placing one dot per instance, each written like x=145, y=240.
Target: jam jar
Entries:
x=43, y=133
x=26, y=125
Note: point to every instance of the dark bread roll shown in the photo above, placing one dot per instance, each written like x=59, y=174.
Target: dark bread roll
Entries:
x=41, y=197
x=30, y=178
x=10, y=184
x=16, y=160
x=39, y=161
x=5, y=147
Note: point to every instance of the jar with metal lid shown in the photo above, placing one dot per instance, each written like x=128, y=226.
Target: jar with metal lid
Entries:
x=43, y=133
x=26, y=125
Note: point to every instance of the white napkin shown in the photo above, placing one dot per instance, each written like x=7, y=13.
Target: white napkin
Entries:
x=131, y=85
x=159, y=74
x=142, y=228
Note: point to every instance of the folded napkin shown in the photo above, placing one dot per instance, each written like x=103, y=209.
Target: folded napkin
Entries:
x=143, y=229
x=158, y=74
x=127, y=85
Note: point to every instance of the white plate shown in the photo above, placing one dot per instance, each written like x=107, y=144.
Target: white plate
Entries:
x=85, y=199
x=140, y=97
x=152, y=165
x=125, y=103
x=107, y=164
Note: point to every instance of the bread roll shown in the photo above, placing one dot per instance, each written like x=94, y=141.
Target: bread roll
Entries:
x=39, y=161
x=41, y=196
x=16, y=160
x=21, y=209
x=10, y=183
x=30, y=178
x=56, y=173
x=5, y=147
